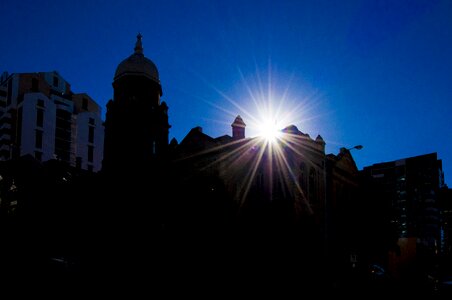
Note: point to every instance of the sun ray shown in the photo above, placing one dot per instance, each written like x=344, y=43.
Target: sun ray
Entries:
x=285, y=167
x=252, y=175
x=268, y=109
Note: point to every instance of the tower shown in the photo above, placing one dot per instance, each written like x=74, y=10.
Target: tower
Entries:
x=238, y=128
x=136, y=126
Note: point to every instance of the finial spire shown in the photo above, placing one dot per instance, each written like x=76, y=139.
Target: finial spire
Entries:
x=139, y=45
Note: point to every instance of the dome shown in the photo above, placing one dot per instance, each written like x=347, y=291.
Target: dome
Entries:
x=138, y=64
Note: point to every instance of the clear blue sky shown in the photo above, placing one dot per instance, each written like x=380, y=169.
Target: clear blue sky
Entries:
x=376, y=73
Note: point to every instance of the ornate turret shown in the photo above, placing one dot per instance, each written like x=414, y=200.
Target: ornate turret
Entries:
x=238, y=128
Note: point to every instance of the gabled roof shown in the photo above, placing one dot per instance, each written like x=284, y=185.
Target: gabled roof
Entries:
x=196, y=140
x=344, y=160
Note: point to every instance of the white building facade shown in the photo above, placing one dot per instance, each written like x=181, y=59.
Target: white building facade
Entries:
x=42, y=117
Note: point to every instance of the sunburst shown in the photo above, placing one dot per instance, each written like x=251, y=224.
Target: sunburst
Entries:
x=266, y=110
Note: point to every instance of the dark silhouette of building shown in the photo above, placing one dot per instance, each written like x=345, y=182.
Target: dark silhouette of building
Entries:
x=404, y=212
x=445, y=197
x=282, y=212
x=286, y=202
x=136, y=125
x=344, y=228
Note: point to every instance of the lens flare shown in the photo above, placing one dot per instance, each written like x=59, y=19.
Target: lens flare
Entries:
x=263, y=159
x=269, y=130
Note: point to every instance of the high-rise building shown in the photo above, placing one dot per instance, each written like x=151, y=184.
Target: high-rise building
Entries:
x=404, y=199
x=446, y=221
x=42, y=117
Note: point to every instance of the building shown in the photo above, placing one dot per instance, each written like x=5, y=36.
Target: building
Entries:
x=290, y=201
x=404, y=208
x=135, y=167
x=136, y=125
x=41, y=116
x=249, y=191
x=247, y=206
x=257, y=172
x=446, y=221
x=343, y=217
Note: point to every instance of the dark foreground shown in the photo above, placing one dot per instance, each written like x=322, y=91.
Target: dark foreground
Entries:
x=211, y=270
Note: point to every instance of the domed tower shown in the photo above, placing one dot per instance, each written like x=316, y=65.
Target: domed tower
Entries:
x=136, y=125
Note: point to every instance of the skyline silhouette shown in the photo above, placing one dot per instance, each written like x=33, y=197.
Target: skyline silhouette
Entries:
x=370, y=73
x=209, y=205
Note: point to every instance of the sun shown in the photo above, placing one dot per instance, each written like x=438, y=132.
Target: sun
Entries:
x=269, y=130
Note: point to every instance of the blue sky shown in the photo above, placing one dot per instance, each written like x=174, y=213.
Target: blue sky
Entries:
x=376, y=73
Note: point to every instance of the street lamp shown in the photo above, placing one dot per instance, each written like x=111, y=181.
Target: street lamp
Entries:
x=357, y=147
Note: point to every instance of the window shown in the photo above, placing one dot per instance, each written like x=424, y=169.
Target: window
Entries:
x=55, y=81
x=91, y=121
x=40, y=117
x=90, y=153
x=78, y=162
x=91, y=134
x=38, y=155
x=38, y=140
x=40, y=103
x=85, y=104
